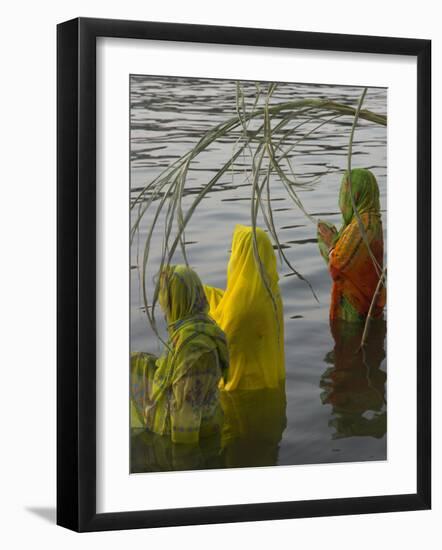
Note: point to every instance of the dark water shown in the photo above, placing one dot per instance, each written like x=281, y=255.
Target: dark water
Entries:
x=333, y=406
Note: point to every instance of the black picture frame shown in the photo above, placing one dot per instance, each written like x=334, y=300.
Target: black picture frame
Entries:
x=76, y=273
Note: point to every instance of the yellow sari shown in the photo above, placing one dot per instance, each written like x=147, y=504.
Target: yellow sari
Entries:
x=251, y=318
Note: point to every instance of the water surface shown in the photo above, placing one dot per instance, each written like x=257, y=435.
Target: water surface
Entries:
x=332, y=408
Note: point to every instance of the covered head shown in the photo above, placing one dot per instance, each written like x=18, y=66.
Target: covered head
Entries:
x=243, y=262
x=365, y=193
x=181, y=293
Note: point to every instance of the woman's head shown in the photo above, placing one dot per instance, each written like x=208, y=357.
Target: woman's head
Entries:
x=181, y=293
x=365, y=193
x=243, y=261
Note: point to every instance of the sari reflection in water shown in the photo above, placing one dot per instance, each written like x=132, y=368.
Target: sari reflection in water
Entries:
x=150, y=452
x=254, y=422
x=355, y=385
x=354, y=270
x=177, y=395
x=250, y=315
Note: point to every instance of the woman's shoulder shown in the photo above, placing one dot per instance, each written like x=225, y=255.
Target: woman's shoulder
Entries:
x=371, y=222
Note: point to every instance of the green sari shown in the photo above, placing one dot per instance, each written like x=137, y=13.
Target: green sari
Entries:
x=178, y=393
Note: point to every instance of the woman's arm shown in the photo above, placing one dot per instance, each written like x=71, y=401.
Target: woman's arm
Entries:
x=142, y=368
x=327, y=236
x=345, y=252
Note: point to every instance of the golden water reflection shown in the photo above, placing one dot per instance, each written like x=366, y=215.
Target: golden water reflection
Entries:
x=253, y=426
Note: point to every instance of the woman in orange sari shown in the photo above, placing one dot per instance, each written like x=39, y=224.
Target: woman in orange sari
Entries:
x=355, y=257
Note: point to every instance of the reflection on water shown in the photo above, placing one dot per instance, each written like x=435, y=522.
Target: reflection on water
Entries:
x=155, y=453
x=307, y=424
x=254, y=422
x=355, y=384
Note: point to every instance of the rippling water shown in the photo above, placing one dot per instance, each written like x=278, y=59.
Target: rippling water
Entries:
x=333, y=406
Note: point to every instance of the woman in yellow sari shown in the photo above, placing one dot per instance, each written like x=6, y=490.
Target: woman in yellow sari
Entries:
x=250, y=313
x=177, y=394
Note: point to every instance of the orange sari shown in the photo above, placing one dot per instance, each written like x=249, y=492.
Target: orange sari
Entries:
x=356, y=268
x=353, y=272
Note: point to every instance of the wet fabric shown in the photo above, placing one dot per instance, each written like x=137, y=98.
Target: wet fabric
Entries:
x=178, y=393
x=355, y=275
x=250, y=313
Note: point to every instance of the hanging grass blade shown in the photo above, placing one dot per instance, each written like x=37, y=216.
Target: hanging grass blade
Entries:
x=355, y=210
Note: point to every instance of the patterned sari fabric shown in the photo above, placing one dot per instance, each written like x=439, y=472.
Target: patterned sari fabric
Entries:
x=178, y=393
x=356, y=272
x=250, y=315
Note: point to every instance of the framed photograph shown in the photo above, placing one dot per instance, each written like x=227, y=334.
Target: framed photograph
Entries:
x=244, y=254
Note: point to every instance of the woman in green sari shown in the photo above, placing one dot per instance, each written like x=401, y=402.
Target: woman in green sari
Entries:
x=177, y=394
